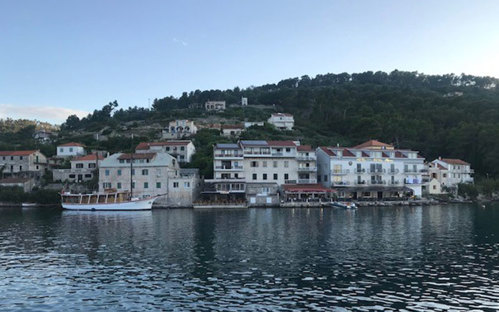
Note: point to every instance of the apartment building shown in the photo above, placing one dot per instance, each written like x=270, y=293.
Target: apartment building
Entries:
x=446, y=173
x=371, y=170
x=149, y=175
x=282, y=121
x=214, y=106
x=178, y=129
x=82, y=169
x=182, y=150
x=70, y=149
x=22, y=163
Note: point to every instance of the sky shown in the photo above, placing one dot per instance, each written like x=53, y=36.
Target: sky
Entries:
x=70, y=57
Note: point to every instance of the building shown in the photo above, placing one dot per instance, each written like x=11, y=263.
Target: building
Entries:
x=30, y=163
x=178, y=129
x=372, y=170
x=149, y=176
x=282, y=121
x=25, y=183
x=182, y=150
x=244, y=101
x=232, y=130
x=83, y=168
x=183, y=188
x=215, y=106
x=252, y=168
x=70, y=149
x=248, y=124
x=43, y=136
x=446, y=173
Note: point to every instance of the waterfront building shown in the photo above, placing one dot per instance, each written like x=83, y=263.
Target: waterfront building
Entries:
x=371, y=170
x=178, y=129
x=82, y=169
x=446, y=173
x=70, y=149
x=29, y=163
x=149, y=176
x=215, y=106
x=232, y=130
x=26, y=184
x=282, y=121
x=182, y=150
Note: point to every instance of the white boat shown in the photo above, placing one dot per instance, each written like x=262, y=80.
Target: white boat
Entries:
x=345, y=205
x=113, y=201
x=28, y=205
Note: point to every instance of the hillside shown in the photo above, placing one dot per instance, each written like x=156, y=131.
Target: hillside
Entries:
x=440, y=115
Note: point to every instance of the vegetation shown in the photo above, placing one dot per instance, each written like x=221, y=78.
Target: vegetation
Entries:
x=16, y=195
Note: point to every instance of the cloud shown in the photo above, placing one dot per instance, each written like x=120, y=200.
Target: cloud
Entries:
x=50, y=114
x=182, y=42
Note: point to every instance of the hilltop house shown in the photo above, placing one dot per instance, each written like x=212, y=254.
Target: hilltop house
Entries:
x=70, y=149
x=215, y=106
x=178, y=129
x=232, y=130
x=182, y=150
x=371, y=170
x=282, y=121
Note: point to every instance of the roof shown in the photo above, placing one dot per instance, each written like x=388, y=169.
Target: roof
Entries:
x=304, y=148
x=453, y=161
x=232, y=127
x=439, y=166
x=281, y=143
x=282, y=115
x=227, y=145
x=88, y=157
x=71, y=144
x=373, y=143
x=347, y=153
x=146, y=145
x=399, y=154
x=137, y=156
x=254, y=143
x=14, y=180
x=17, y=153
x=327, y=151
x=306, y=188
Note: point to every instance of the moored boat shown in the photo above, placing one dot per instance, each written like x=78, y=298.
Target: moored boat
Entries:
x=111, y=201
x=345, y=205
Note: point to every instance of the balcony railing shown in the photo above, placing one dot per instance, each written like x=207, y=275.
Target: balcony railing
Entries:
x=377, y=182
x=413, y=182
x=393, y=171
x=340, y=172
x=307, y=169
x=307, y=181
x=229, y=167
x=340, y=183
x=360, y=170
x=377, y=170
x=306, y=158
x=229, y=155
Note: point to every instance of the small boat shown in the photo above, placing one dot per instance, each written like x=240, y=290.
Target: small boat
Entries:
x=109, y=201
x=29, y=205
x=345, y=205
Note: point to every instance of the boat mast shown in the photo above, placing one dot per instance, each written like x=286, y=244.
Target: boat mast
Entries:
x=131, y=171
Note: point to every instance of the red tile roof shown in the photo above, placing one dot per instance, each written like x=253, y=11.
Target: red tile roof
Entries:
x=281, y=143
x=385, y=154
x=347, y=153
x=17, y=153
x=372, y=143
x=88, y=158
x=399, y=154
x=137, y=156
x=328, y=151
x=455, y=161
x=304, y=148
x=72, y=144
x=439, y=166
x=364, y=154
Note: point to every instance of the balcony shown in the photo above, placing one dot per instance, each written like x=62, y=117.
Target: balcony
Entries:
x=307, y=181
x=393, y=171
x=413, y=182
x=377, y=182
x=229, y=168
x=217, y=155
x=377, y=171
x=393, y=183
x=340, y=183
x=307, y=169
x=306, y=158
x=411, y=171
x=360, y=183
x=340, y=172
x=360, y=170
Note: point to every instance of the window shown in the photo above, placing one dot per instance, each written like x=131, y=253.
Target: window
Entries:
x=106, y=185
x=254, y=164
x=182, y=148
x=106, y=172
x=187, y=184
x=37, y=167
x=91, y=165
x=70, y=149
x=286, y=176
x=318, y=178
x=20, y=168
x=79, y=166
x=72, y=176
x=158, y=184
x=20, y=158
x=173, y=162
x=288, y=149
x=119, y=172
x=275, y=176
x=264, y=164
x=286, y=163
x=265, y=176
x=275, y=164
x=88, y=175
x=254, y=176
x=167, y=148
x=133, y=171
x=118, y=185
x=434, y=187
x=175, y=184
x=145, y=172
x=122, y=161
x=325, y=178
x=146, y=185
x=61, y=150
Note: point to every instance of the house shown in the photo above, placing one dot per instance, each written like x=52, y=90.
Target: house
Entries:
x=43, y=136
x=25, y=183
x=215, y=106
x=282, y=121
x=70, y=149
x=183, y=188
x=248, y=124
x=29, y=163
x=178, y=129
x=232, y=130
x=182, y=150
x=244, y=101
x=148, y=177
x=371, y=170
x=83, y=169
x=448, y=173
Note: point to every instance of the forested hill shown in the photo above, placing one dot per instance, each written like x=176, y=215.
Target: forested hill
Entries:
x=439, y=115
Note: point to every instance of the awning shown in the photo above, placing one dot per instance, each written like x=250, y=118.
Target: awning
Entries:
x=306, y=188
x=374, y=188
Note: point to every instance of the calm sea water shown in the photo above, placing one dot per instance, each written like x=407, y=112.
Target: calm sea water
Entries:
x=404, y=258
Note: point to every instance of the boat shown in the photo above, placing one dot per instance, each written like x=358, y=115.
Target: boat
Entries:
x=108, y=201
x=345, y=205
x=29, y=205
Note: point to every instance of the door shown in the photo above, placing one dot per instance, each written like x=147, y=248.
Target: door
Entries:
x=380, y=195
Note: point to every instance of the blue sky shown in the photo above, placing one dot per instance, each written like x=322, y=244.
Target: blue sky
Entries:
x=63, y=57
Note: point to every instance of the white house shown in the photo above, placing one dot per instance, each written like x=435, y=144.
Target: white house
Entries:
x=372, y=170
x=282, y=121
x=448, y=172
x=215, y=105
x=70, y=149
x=244, y=101
x=182, y=150
x=232, y=130
x=248, y=124
x=178, y=129
x=83, y=168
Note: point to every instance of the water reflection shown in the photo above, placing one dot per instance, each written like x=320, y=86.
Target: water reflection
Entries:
x=412, y=258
